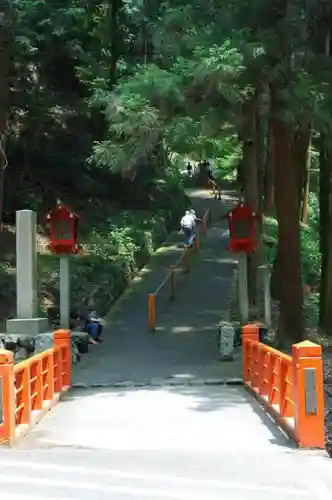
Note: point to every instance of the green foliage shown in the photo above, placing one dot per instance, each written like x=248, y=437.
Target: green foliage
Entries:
x=311, y=258
x=227, y=157
x=113, y=252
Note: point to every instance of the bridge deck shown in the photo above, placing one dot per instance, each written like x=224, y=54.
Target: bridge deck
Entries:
x=181, y=443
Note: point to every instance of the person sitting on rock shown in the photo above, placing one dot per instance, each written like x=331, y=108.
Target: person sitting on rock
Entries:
x=90, y=323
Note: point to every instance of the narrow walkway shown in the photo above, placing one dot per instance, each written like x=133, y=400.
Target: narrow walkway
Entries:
x=184, y=346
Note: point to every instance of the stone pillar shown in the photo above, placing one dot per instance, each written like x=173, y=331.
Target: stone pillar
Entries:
x=26, y=323
x=26, y=264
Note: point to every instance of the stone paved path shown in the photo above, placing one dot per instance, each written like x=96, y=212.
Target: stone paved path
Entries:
x=184, y=346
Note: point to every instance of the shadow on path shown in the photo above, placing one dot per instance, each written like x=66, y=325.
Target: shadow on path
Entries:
x=206, y=418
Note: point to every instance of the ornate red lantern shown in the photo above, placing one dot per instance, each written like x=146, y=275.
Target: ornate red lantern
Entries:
x=241, y=222
x=63, y=224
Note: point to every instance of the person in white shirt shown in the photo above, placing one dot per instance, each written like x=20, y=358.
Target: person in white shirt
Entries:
x=195, y=219
x=194, y=216
x=188, y=226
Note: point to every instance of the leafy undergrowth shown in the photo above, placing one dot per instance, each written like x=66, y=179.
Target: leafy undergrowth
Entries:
x=310, y=255
x=115, y=243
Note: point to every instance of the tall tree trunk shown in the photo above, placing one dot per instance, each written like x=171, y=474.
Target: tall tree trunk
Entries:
x=114, y=12
x=324, y=191
x=151, y=9
x=249, y=158
x=325, y=302
x=260, y=161
x=260, y=149
x=275, y=17
x=302, y=144
x=306, y=187
x=4, y=95
x=269, y=174
x=325, y=216
x=251, y=186
x=290, y=327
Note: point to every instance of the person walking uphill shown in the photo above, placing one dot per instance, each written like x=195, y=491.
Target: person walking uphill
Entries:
x=194, y=216
x=189, y=170
x=188, y=227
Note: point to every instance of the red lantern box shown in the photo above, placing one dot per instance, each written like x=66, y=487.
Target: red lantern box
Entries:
x=241, y=222
x=63, y=223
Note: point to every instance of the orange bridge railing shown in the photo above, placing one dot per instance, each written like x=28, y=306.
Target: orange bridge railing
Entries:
x=32, y=387
x=290, y=387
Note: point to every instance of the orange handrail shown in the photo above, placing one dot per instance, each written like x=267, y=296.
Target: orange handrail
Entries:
x=33, y=386
x=170, y=276
x=279, y=381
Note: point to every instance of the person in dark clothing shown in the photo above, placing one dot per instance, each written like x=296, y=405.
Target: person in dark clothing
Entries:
x=209, y=171
x=189, y=169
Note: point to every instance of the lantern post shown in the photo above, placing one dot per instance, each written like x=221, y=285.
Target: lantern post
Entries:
x=264, y=278
x=63, y=224
x=64, y=291
x=241, y=221
x=243, y=287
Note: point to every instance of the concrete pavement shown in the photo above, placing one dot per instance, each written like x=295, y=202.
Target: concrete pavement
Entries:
x=181, y=443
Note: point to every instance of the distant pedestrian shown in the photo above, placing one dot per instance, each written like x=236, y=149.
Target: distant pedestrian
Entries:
x=210, y=171
x=189, y=169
